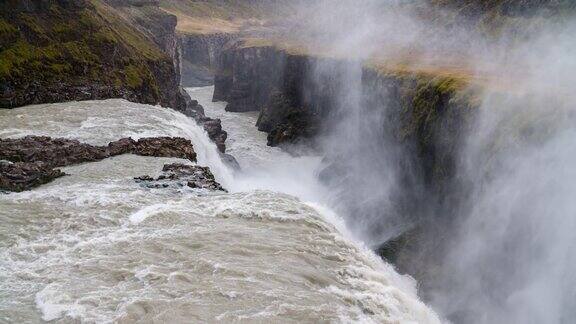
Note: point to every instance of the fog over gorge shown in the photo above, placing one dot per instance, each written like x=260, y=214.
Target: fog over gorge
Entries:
x=351, y=161
x=504, y=254
x=505, y=251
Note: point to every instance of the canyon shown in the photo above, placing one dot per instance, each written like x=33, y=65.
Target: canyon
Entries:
x=394, y=106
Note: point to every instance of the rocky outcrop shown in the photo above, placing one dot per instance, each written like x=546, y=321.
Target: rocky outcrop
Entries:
x=53, y=152
x=214, y=129
x=57, y=152
x=175, y=147
x=277, y=84
x=30, y=161
x=179, y=175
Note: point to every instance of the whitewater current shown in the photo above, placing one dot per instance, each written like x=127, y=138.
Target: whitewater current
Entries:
x=95, y=246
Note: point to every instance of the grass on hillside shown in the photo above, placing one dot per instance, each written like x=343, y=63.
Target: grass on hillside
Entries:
x=92, y=45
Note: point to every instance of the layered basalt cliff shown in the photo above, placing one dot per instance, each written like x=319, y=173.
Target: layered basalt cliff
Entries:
x=275, y=83
x=297, y=96
x=295, y=93
x=53, y=51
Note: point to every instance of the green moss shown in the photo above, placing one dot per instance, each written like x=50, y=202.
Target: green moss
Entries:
x=8, y=34
x=423, y=99
x=5, y=67
x=427, y=99
x=66, y=31
x=60, y=68
x=95, y=45
x=124, y=33
x=15, y=56
x=7, y=28
x=105, y=36
x=32, y=23
x=134, y=77
x=23, y=57
x=117, y=81
x=51, y=52
x=81, y=53
x=86, y=20
x=448, y=85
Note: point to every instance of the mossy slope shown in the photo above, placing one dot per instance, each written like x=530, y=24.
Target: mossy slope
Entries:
x=56, y=52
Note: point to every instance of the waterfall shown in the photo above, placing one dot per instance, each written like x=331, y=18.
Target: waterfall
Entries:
x=96, y=246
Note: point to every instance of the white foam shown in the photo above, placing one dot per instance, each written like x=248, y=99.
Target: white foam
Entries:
x=54, y=303
x=148, y=211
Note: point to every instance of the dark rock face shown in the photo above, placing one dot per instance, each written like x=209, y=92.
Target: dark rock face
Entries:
x=212, y=126
x=230, y=161
x=275, y=83
x=245, y=77
x=23, y=176
x=286, y=123
x=180, y=175
x=35, y=157
x=37, y=92
x=193, y=108
x=214, y=129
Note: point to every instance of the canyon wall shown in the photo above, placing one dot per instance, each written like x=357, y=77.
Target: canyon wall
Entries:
x=413, y=126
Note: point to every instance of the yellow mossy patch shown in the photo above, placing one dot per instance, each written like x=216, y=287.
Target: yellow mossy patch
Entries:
x=226, y=16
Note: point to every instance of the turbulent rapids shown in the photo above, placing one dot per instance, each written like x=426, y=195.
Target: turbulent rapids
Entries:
x=95, y=246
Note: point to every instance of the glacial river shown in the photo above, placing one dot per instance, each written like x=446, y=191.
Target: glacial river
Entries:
x=95, y=246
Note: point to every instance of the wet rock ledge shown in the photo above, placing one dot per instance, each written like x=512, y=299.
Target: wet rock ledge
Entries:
x=31, y=161
x=179, y=175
